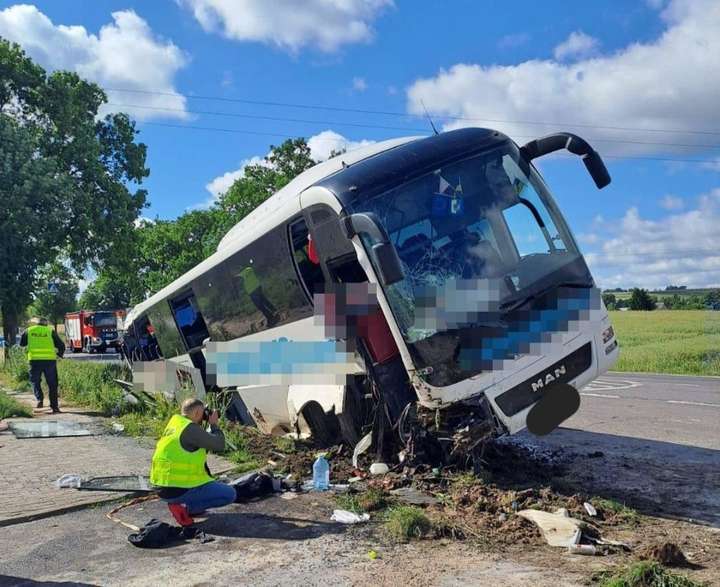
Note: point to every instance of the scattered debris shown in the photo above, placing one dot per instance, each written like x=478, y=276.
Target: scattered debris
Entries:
x=590, y=509
x=122, y=483
x=336, y=487
x=346, y=517
x=48, y=429
x=253, y=485
x=372, y=555
x=557, y=529
x=117, y=427
x=379, y=469
x=413, y=496
x=68, y=481
x=586, y=549
x=362, y=446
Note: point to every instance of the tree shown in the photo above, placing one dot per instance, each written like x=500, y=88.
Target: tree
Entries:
x=258, y=183
x=54, y=305
x=640, y=299
x=712, y=299
x=609, y=300
x=65, y=177
x=160, y=251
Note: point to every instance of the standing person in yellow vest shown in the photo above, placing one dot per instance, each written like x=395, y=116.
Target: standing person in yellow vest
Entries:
x=179, y=466
x=253, y=288
x=43, y=347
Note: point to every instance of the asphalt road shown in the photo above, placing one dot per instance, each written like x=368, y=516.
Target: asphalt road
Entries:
x=668, y=408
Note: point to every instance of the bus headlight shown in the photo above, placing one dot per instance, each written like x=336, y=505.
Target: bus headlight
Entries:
x=607, y=334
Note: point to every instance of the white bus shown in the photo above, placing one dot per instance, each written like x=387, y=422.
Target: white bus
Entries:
x=486, y=307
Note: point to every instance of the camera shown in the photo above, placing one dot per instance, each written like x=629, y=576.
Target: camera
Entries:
x=206, y=413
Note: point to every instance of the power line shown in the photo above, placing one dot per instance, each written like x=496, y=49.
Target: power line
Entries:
x=384, y=127
x=406, y=114
x=286, y=136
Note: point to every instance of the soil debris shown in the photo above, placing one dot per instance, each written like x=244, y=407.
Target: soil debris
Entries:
x=667, y=553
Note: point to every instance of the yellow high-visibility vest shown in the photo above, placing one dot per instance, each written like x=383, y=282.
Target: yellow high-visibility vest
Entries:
x=172, y=465
x=40, y=345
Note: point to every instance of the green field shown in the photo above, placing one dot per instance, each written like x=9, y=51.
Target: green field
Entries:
x=668, y=341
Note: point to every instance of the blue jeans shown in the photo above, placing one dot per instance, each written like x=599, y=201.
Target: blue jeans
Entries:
x=211, y=495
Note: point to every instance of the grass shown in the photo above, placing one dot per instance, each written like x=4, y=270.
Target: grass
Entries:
x=371, y=500
x=10, y=407
x=404, y=523
x=617, y=510
x=668, y=341
x=149, y=419
x=241, y=455
x=643, y=574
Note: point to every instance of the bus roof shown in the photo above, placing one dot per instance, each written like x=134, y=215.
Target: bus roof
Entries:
x=264, y=217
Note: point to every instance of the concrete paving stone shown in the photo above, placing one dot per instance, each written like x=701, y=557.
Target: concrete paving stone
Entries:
x=31, y=466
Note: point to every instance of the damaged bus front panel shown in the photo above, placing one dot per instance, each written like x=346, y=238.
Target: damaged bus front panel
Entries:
x=482, y=305
x=495, y=306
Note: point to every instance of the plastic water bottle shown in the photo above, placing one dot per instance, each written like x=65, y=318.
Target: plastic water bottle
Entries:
x=321, y=474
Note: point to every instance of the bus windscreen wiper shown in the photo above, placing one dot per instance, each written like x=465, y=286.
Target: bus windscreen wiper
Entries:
x=516, y=303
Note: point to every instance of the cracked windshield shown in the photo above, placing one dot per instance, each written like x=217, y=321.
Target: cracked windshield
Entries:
x=476, y=238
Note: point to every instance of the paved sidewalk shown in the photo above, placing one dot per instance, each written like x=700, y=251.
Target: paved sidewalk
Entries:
x=31, y=466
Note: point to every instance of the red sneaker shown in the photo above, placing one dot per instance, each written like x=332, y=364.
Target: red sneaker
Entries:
x=179, y=511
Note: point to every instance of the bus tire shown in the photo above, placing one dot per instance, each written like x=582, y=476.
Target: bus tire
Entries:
x=325, y=428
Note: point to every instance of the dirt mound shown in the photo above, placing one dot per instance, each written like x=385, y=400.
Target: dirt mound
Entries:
x=667, y=553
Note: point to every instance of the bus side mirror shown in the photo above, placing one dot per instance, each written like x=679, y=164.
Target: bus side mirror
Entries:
x=576, y=145
x=387, y=261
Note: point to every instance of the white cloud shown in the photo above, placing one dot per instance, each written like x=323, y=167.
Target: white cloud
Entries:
x=324, y=143
x=671, y=82
x=321, y=146
x=359, y=84
x=222, y=183
x=670, y=202
x=578, y=44
x=679, y=248
x=143, y=221
x=325, y=24
x=124, y=54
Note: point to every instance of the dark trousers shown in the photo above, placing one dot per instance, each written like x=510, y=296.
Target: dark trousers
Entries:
x=49, y=369
x=264, y=305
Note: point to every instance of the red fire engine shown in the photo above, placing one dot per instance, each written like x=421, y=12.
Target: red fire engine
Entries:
x=93, y=332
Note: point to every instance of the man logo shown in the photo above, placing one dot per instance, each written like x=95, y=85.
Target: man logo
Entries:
x=548, y=378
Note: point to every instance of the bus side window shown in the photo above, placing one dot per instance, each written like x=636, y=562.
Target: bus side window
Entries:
x=190, y=320
x=310, y=272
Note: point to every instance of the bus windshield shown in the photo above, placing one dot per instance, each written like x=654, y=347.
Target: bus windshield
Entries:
x=478, y=239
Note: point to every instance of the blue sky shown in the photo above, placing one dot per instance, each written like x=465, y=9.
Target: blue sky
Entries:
x=629, y=71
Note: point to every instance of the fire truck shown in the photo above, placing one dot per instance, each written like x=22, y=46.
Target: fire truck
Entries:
x=93, y=332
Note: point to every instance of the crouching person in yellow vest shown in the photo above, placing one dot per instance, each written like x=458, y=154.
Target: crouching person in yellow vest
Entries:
x=179, y=468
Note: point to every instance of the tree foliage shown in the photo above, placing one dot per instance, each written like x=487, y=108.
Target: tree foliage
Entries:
x=160, y=251
x=55, y=305
x=640, y=299
x=64, y=176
